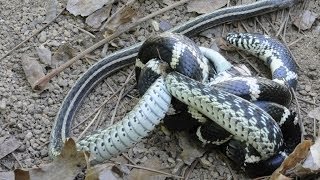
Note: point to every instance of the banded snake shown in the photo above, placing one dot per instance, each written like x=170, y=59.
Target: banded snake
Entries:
x=123, y=58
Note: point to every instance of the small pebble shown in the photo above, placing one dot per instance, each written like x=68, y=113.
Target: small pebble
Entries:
x=3, y=105
x=43, y=37
x=307, y=88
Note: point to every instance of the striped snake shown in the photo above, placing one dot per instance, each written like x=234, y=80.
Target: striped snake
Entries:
x=126, y=57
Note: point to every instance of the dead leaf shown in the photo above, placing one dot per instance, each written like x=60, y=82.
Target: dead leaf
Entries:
x=103, y=171
x=205, y=6
x=8, y=146
x=315, y=113
x=190, y=150
x=32, y=70
x=63, y=54
x=65, y=166
x=305, y=20
x=312, y=163
x=51, y=9
x=123, y=16
x=96, y=18
x=297, y=156
x=141, y=174
x=44, y=55
x=86, y=7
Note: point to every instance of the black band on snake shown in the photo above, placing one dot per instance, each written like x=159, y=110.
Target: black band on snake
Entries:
x=148, y=112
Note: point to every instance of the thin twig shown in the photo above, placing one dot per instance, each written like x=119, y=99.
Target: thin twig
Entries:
x=285, y=26
x=104, y=102
x=261, y=25
x=35, y=33
x=250, y=63
x=116, y=108
x=89, y=125
x=244, y=26
x=19, y=162
x=129, y=159
x=282, y=24
x=119, y=98
x=84, y=31
x=149, y=169
x=227, y=162
x=295, y=41
x=306, y=101
x=41, y=83
x=286, y=45
x=314, y=120
x=299, y=114
x=191, y=168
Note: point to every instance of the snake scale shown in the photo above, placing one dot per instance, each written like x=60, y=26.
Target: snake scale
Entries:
x=115, y=135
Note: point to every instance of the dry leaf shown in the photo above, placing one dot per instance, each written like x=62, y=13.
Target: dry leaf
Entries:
x=103, y=171
x=44, y=55
x=297, y=156
x=51, y=9
x=86, y=7
x=32, y=70
x=190, y=150
x=123, y=16
x=305, y=20
x=96, y=18
x=205, y=6
x=66, y=166
x=315, y=113
x=312, y=163
x=63, y=54
x=8, y=146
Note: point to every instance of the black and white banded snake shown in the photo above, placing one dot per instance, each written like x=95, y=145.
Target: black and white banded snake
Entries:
x=126, y=57
x=239, y=119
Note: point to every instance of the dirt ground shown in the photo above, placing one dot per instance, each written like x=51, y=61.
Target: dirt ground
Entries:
x=28, y=116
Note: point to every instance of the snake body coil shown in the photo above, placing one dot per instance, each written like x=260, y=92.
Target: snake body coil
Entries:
x=120, y=59
x=136, y=125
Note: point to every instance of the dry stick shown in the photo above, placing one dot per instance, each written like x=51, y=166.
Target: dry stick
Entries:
x=129, y=159
x=37, y=32
x=149, y=169
x=84, y=31
x=244, y=26
x=19, y=162
x=261, y=25
x=193, y=165
x=119, y=98
x=250, y=63
x=40, y=84
x=285, y=26
x=282, y=25
x=299, y=114
x=227, y=162
x=110, y=87
x=306, y=101
x=89, y=125
x=285, y=44
x=295, y=41
x=314, y=120
x=104, y=102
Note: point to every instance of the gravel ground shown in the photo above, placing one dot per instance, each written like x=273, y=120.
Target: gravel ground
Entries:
x=28, y=116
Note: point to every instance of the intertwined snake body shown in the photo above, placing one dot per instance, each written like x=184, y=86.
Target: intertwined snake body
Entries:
x=116, y=137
